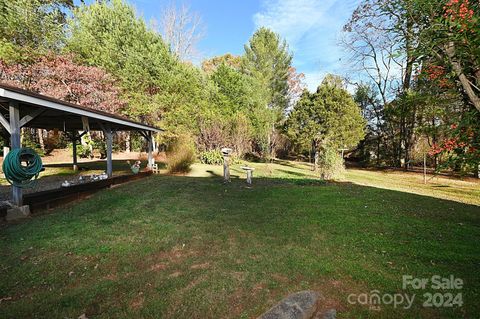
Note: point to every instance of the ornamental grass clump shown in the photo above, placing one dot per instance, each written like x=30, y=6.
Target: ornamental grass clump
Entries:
x=331, y=164
x=181, y=154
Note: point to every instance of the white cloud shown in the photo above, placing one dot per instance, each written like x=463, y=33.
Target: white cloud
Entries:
x=311, y=28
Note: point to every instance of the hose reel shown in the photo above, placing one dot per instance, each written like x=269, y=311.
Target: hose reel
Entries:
x=22, y=166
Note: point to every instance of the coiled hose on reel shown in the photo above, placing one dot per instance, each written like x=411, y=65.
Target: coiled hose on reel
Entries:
x=19, y=175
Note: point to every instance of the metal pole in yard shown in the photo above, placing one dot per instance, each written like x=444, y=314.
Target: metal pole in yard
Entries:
x=425, y=168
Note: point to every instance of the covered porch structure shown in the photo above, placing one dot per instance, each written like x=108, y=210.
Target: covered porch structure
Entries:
x=20, y=108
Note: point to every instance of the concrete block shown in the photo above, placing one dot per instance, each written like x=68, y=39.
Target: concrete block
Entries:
x=15, y=212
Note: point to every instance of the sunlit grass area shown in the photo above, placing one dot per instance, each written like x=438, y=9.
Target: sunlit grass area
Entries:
x=193, y=247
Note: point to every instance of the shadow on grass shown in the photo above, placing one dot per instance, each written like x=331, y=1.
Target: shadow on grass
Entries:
x=297, y=174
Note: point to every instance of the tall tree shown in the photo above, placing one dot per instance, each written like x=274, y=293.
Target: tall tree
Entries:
x=367, y=98
x=451, y=36
x=32, y=27
x=109, y=35
x=296, y=85
x=267, y=59
x=383, y=37
x=326, y=119
x=182, y=29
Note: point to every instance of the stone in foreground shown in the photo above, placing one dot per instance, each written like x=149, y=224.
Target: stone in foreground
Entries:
x=300, y=305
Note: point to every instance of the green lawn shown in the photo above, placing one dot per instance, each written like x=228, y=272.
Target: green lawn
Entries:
x=191, y=247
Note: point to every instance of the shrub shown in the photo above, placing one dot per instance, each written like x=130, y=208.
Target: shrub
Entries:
x=213, y=157
x=180, y=154
x=83, y=151
x=331, y=164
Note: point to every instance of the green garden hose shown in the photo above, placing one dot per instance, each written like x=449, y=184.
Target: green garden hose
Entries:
x=18, y=174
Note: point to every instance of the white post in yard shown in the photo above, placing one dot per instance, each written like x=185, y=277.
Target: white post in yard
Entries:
x=14, y=111
x=109, y=137
x=249, y=171
x=226, y=169
x=150, y=149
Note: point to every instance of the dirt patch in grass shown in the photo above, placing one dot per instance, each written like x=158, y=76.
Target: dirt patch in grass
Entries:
x=175, y=274
x=159, y=266
x=137, y=302
x=205, y=265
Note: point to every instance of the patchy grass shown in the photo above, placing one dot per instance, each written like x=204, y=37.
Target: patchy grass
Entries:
x=191, y=247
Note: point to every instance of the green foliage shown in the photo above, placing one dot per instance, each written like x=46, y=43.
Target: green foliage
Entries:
x=29, y=142
x=109, y=35
x=268, y=60
x=234, y=61
x=31, y=27
x=243, y=105
x=328, y=117
x=213, y=157
x=83, y=151
x=331, y=164
x=181, y=154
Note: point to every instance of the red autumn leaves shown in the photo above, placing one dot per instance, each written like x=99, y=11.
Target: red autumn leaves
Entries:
x=464, y=139
x=459, y=12
x=62, y=78
x=436, y=74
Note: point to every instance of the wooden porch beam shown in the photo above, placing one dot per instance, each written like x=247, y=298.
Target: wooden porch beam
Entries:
x=5, y=123
x=27, y=118
x=14, y=110
x=109, y=137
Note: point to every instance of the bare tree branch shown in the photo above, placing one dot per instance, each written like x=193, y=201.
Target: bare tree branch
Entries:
x=182, y=29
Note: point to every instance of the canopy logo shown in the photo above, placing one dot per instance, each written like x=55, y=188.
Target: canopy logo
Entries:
x=446, y=294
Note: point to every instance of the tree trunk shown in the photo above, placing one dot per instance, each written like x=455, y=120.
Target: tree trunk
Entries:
x=40, y=139
x=313, y=151
x=458, y=69
x=127, y=142
x=410, y=58
x=378, y=150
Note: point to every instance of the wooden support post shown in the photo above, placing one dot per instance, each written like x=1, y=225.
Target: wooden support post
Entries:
x=109, y=137
x=74, y=150
x=17, y=196
x=150, y=149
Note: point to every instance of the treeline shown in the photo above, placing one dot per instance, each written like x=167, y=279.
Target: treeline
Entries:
x=417, y=77
x=104, y=56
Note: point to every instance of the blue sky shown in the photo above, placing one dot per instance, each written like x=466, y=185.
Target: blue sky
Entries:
x=311, y=28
